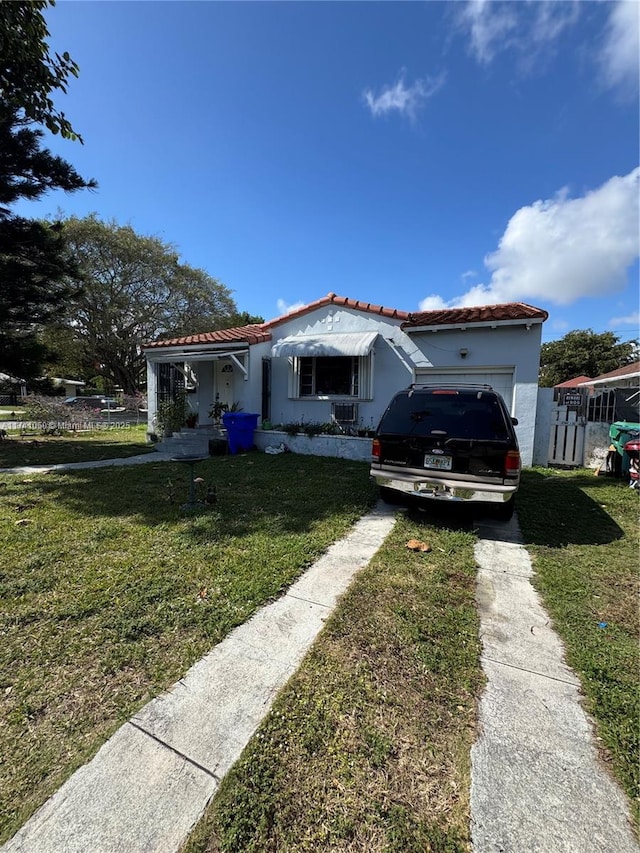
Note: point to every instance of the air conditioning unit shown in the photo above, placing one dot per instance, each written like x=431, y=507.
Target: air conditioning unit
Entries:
x=344, y=413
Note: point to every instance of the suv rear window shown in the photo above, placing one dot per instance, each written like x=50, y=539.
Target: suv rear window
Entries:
x=461, y=414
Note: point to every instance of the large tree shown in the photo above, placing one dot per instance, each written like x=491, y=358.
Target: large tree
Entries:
x=135, y=289
x=584, y=353
x=29, y=74
x=37, y=275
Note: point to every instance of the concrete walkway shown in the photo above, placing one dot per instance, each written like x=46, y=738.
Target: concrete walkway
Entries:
x=142, y=459
x=149, y=784
x=537, y=783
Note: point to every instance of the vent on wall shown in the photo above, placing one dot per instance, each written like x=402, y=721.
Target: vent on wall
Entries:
x=344, y=413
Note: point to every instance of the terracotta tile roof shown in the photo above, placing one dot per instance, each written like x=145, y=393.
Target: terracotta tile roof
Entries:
x=476, y=314
x=571, y=383
x=343, y=302
x=255, y=333
x=260, y=332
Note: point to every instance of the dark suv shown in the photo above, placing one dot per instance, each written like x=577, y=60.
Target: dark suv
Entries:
x=448, y=443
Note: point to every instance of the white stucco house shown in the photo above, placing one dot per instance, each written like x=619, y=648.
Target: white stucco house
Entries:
x=342, y=359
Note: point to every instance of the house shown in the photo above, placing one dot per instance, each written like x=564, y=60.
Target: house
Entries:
x=622, y=377
x=71, y=386
x=342, y=359
x=572, y=383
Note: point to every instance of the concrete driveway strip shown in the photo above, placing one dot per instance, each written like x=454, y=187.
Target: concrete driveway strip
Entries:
x=141, y=459
x=537, y=782
x=147, y=787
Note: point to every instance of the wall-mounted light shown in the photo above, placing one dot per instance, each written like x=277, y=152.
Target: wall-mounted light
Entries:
x=464, y=352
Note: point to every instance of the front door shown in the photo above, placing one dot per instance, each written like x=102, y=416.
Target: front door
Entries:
x=223, y=381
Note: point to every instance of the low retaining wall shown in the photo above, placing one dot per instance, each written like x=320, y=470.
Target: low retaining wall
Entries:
x=340, y=446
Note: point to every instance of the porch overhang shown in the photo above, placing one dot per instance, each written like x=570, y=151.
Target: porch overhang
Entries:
x=208, y=353
x=238, y=354
x=338, y=344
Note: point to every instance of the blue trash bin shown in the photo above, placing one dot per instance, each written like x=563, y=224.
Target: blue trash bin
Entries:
x=240, y=427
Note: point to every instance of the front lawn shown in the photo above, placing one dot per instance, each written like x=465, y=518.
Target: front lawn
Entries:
x=109, y=592
x=12, y=413
x=18, y=450
x=582, y=532
x=367, y=747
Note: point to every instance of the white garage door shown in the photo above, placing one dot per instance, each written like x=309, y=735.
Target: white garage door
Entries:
x=500, y=380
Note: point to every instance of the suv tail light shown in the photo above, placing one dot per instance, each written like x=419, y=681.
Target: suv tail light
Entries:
x=512, y=463
x=375, y=449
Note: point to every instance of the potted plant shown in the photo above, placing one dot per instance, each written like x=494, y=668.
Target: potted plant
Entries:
x=191, y=420
x=217, y=410
x=171, y=415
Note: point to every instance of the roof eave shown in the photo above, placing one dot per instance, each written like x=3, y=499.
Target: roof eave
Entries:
x=610, y=379
x=463, y=326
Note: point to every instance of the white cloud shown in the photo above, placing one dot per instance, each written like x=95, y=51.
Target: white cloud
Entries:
x=527, y=28
x=490, y=27
x=632, y=319
x=620, y=53
x=288, y=308
x=432, y=303
x=406, y=100
x=563, y=249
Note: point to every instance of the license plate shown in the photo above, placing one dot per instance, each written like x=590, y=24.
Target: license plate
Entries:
x=440, y=463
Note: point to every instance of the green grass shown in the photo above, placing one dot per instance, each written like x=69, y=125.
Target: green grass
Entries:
x=90, y=446
x=11, y=413
x=367, y=747
x=582, y=532
x=108, y=592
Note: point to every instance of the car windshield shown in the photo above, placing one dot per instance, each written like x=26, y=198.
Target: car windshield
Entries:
x=452, y=414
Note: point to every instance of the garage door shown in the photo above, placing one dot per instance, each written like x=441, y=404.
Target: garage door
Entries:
x=500, y=380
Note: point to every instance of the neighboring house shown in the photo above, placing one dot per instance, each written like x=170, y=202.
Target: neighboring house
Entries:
x=575, y=424
x=572, y=383
x=614, y=396
x=623, y=377
x=343, y=359
x=11, y=388
x=71, y=386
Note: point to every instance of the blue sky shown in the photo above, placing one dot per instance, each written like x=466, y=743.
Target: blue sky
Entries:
x=412, y=155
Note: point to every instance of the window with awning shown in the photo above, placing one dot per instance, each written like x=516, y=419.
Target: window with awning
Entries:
x=326, y=346
x=336, y=365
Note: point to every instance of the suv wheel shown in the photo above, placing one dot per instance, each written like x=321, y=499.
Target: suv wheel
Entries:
x=390, y=496
x=504, y=512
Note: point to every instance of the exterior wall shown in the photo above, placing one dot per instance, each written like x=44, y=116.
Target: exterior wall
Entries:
x=201, y=400
x=596, y=444
x=543, y=427
x=245, y=392
x=491, y=347
x=342, y=447
x=152, y=390
x=389, y=373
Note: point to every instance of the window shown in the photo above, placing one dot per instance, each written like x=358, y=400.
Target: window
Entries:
x=329, y=376
x=321, y=377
